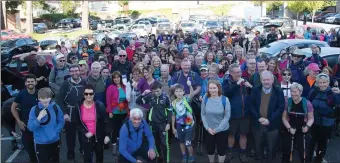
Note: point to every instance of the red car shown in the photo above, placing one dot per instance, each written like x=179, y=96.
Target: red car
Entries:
x=10, y=34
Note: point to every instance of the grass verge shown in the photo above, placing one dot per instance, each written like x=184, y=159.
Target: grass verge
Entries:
x=70, y=35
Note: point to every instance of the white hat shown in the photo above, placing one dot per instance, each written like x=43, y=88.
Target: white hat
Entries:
x=59, y=56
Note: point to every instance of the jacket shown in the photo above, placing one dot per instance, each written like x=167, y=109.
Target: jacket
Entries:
x=124, y=69
x=271, y=38
x=56, y=79
x=47, y=133
x=323, y=105
x=238, y=96
x=112, y=97
x=99, y=87
x=306, y=87
x=103, y=127
x=297, y=71
x=130, y=144
x=160, y=111
x=275, y=107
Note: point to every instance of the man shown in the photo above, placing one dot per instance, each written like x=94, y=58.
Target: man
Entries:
x=267, y=104
x=108, y=53
x=315, y=58
x=130, y=50
x=177, y=66
x=198, y=62
x=25, y=100
x=189, y=40
x=98, y=82
x=122, y=65
x=131, y=145
x=255, y=79
x=165, y=78
x=251, y=69
x=71, y=92
x=297, y=65
x=237, y=91
x=58, y=73
x=272, y=36
x=74, y=52
x=46, y=120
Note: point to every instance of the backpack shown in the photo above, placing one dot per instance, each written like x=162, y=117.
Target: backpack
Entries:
x=224, y=101
x=329, y=100
x=128, y=127
x=304, y=105
x=37, y=111
x=192, y=75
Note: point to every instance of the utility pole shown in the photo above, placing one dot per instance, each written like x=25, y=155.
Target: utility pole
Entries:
x=3, y=15
x=85, y=16
x=29, y=17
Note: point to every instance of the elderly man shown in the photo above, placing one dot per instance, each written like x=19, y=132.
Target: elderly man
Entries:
x=71, y=92
x=136, y=139
x=237, y=90
x=165, y=78
x=122, y=65
x=58, y=73
x=97, y=81
x=266, y=104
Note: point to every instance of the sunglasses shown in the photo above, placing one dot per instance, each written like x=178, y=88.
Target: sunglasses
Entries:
x=61, y=60
x=122, y=55
x=88, y=94
x=286, y=74
x=297, y=56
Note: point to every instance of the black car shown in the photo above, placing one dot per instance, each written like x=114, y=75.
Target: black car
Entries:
x=323, y=18
x=67, y=23
x=93, y=24
x=17, y=46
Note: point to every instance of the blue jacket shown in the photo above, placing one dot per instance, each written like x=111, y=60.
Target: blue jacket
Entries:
x=323, y=105
x=307, y=35
x=275, y=107
x=129, y=145
x=238, y=96
x=49, y=133
x=297, y=71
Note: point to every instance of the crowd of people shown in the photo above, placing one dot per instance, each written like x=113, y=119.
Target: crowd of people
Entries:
x=134, y=97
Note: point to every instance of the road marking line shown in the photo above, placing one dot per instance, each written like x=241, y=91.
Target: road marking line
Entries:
x=9, y=138
x=324, y=161
x=12, y=157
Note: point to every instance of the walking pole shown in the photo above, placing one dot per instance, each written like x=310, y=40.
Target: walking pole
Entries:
x=304, y=147
x=291, y=149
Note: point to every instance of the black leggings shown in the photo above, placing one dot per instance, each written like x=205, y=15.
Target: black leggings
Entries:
x=218, y=140
x=116, y=122
x=48, y=152
x=320, y=137
x=92, y=145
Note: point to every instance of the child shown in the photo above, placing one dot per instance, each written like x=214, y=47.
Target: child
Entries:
x=46, y=120
x=159, y=117
x=182, y=115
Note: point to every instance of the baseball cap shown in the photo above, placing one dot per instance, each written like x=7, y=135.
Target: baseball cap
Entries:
x=204, y=67
x=84, y=55
x=59, y=56
x=74, y=45
x=313, y=67
x=82, y=62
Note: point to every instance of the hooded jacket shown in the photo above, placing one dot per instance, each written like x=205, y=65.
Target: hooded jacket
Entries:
x=46, y=133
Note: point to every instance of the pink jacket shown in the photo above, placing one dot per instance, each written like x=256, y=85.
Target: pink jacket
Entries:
x=112, y=97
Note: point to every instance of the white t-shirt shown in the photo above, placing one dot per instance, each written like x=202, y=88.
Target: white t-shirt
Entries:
x=286, y=90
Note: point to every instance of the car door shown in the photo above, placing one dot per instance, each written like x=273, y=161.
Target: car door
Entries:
x=332, y=59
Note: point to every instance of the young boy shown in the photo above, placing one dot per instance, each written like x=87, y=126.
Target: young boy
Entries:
x=46, y=120
x=159, y=117
x=183, y=118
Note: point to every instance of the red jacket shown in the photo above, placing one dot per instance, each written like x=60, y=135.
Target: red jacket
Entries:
x=129, y=52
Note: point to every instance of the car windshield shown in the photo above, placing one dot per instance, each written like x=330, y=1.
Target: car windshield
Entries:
x=273, y=48
x=146, y=23
x=163, y=20
x=236, y=23
x=9, y=43
x=279, y=23
x=138, y=27
x=164, y=25
x=122, y=21
x=187, y=25
x=211, y=23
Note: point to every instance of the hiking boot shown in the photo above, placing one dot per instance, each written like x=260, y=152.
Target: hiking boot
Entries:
x=70, y=155
x=81, y=152
x=114, y=149
x=106, y=146
x=252, y=153
x=229, y=156
x=14, y=145
x=244, y=158
x=191, y=159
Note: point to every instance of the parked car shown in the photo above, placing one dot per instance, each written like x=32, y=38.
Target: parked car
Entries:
x=13, y=47
x=123, y=21
x=152, y=20
x=286, y=24
x=49, y=44
x=40, y=27
x=273, y=49
x=320, y=14
x=331, y=54
x=163, y=27
x=333, y=19
x=323, y=18
x=301, y=29
x=163, y=20
x=94, y=25
x=148, y=25
x=187, y=26
x=10, y=34
x=211, y=25
x=139, y=29
x=120, y=27
x=128, y=35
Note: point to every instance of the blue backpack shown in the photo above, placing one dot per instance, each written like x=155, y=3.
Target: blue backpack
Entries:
x=224, y=101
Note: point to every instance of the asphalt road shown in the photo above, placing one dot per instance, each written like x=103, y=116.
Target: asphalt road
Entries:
x=7, y=155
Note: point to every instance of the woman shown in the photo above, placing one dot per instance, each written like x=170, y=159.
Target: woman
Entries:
x=185, y=51
x=215, y=116
x=238, y=53
x=146, y=82
x=131, y=87
x=135, y=57
x=140, y=66
x=219, y=56
x=116, y=106
x=284, y=60
x=93, y=125
x=152, y=42
x=323, y=98
x=292, y=35
x=225, y=65
x=328, y=71
x=209, y=58
x=146, y=59
x=255, y=45
x=274, y=68
x=228, y=47
x=286, y=82
x=156, y=63
x=297, y=118
x=164, y=56
x=103, y=62
x=42, y=72
x=230, y=57
x=309, y=79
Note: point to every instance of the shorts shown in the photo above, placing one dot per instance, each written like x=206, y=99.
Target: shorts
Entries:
x=239, y=125
x=185, y=135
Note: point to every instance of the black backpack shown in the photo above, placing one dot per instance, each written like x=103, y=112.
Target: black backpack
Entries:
x=37, y=111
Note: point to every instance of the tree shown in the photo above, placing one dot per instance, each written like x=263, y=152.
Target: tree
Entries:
x=85, y=16
x=297, y=7
x=313, y=6
x=68, y=7
x=12, y=6
x=273, y=5
x=124, y=4
x=29, y=19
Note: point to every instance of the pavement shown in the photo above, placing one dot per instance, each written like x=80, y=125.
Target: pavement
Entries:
x=7, y=155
